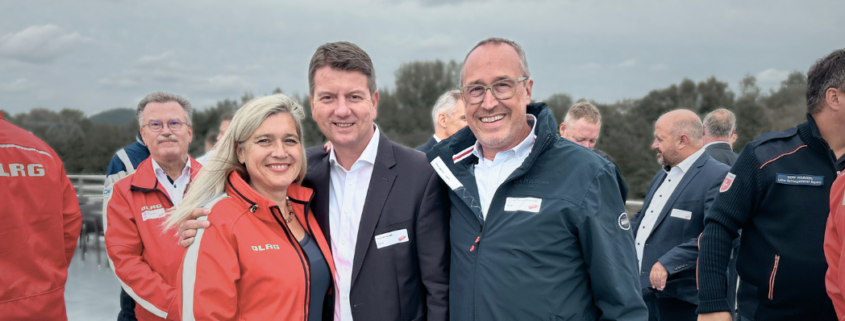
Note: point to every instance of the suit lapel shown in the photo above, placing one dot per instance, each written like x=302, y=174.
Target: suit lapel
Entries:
x=319, y=175
x=380, y=184
x=688, y=177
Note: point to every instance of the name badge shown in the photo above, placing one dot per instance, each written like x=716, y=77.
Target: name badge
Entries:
x=153, y=214
x=687, y=215
x=391, y=238
x=445, y=174
x=526, y=204
x=800, y=179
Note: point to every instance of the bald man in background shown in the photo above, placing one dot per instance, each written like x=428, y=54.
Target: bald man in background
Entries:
x=672, y=216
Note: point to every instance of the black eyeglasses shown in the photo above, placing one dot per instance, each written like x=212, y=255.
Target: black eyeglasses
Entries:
x=501, y=89
x=156, y=125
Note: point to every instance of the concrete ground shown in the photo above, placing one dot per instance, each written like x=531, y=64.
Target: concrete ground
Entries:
x=92, y=291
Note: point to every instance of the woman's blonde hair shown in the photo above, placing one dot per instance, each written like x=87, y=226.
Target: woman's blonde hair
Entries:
x=211, y=180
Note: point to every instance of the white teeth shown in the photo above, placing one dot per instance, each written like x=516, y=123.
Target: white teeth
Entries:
x=491, y=119
x=343, y=125
x=279, y=166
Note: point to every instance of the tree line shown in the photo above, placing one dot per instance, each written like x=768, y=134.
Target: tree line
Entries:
x=404, y=115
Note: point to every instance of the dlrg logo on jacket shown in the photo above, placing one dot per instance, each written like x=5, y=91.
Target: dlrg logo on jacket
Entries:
x=265, y=247
x=21, y=170
x=152, y=212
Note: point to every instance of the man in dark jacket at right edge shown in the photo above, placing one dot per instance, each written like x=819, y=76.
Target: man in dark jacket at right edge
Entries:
x=538, y=225
x=777, y=192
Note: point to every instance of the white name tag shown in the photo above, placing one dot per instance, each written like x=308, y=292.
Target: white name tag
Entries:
x=527, y=204
x=390, y=238
x=681, y=214
x=445, y=174
x=153, y=214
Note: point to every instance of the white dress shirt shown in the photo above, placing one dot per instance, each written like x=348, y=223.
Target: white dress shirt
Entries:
x=437, y=139
x=346, y=203
x=658, y=201
x=175, y=190
x=490, y=174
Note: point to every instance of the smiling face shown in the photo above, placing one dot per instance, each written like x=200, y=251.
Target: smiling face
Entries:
x=166, y=145
x=272, y=155
x=581, y=132
x=498, y=125
x=343, y=108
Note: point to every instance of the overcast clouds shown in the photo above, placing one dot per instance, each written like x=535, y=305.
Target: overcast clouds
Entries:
x=97, y=55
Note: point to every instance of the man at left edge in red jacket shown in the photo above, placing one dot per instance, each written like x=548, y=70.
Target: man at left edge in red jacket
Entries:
x=146, y=258
x=834, y=237
x=39, y=226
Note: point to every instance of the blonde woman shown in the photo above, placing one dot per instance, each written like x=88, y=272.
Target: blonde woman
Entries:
x=263, y=257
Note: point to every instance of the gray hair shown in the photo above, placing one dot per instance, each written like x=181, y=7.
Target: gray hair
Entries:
x=582, y=110
x=826, y=73
x=163, y=97
x=445, y=104
x=690, y=127
x=211, y=180
x=720, y=123
x=523, y=60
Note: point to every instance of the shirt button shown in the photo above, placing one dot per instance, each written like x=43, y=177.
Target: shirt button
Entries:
x=638, y=243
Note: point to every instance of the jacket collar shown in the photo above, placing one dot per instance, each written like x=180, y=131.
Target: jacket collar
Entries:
x=809, y=133
x=144, y=178
x=248, y=198
x=139, y=139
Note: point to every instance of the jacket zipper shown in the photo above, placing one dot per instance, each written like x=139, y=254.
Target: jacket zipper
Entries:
x=772, y=277
x=296, y=247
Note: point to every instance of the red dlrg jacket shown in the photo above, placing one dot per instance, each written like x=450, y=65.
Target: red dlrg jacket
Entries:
x=39, y=226
x=246, y=265
x=145, y=257
x=834, y=237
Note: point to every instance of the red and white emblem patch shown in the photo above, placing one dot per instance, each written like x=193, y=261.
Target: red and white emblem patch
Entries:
x=729, y=180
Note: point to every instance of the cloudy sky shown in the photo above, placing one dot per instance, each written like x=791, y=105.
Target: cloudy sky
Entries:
x=96, y=55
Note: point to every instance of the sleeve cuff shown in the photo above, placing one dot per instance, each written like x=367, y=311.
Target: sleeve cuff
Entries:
x=711, y=306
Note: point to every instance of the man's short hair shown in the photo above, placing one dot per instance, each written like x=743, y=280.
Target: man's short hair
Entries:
x=720, y=123
x=582, y=110
x=227, y=116
x=163, y=97
x=445, y=104
x=343, y=56
x=690, y=127
x=523, y=60
x=826, y=73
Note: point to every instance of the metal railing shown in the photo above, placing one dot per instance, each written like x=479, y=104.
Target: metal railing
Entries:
x=92, y=187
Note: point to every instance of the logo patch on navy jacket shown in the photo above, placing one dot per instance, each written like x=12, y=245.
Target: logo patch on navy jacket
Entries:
x=800, y=179
x=623, y=221
x=726, y=184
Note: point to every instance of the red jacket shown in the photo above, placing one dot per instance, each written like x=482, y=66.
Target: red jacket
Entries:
x=39, y=225
x=246, y=266
x=145, y=257
x=834, y=237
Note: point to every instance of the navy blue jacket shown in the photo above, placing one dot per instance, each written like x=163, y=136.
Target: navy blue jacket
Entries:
x=777, y=192
x=674, y=240
x=427, y=146
x=570, y=257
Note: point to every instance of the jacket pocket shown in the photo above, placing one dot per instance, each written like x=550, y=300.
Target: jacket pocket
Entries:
x=772, y=277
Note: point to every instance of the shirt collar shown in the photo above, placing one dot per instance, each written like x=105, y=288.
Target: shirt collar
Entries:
x=687, y=163
x=160, y=171
x=523, y=148
x=437, y=139
x=369, y=154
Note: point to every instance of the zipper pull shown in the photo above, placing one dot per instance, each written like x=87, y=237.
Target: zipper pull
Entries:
x=253, y=208
x=477, y=240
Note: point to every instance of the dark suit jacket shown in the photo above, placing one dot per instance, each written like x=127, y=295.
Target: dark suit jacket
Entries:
x=722, y=152
x=674, y=241
x=427, y=146
x=404, y=281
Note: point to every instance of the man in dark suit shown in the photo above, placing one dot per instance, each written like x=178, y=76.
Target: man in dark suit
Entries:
x=719, y=135
x=449, y=117
x=672, y=217
x=380, y=205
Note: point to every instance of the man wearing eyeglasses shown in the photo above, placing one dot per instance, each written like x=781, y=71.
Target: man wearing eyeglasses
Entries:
x=145, y=257
x=538, y=227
